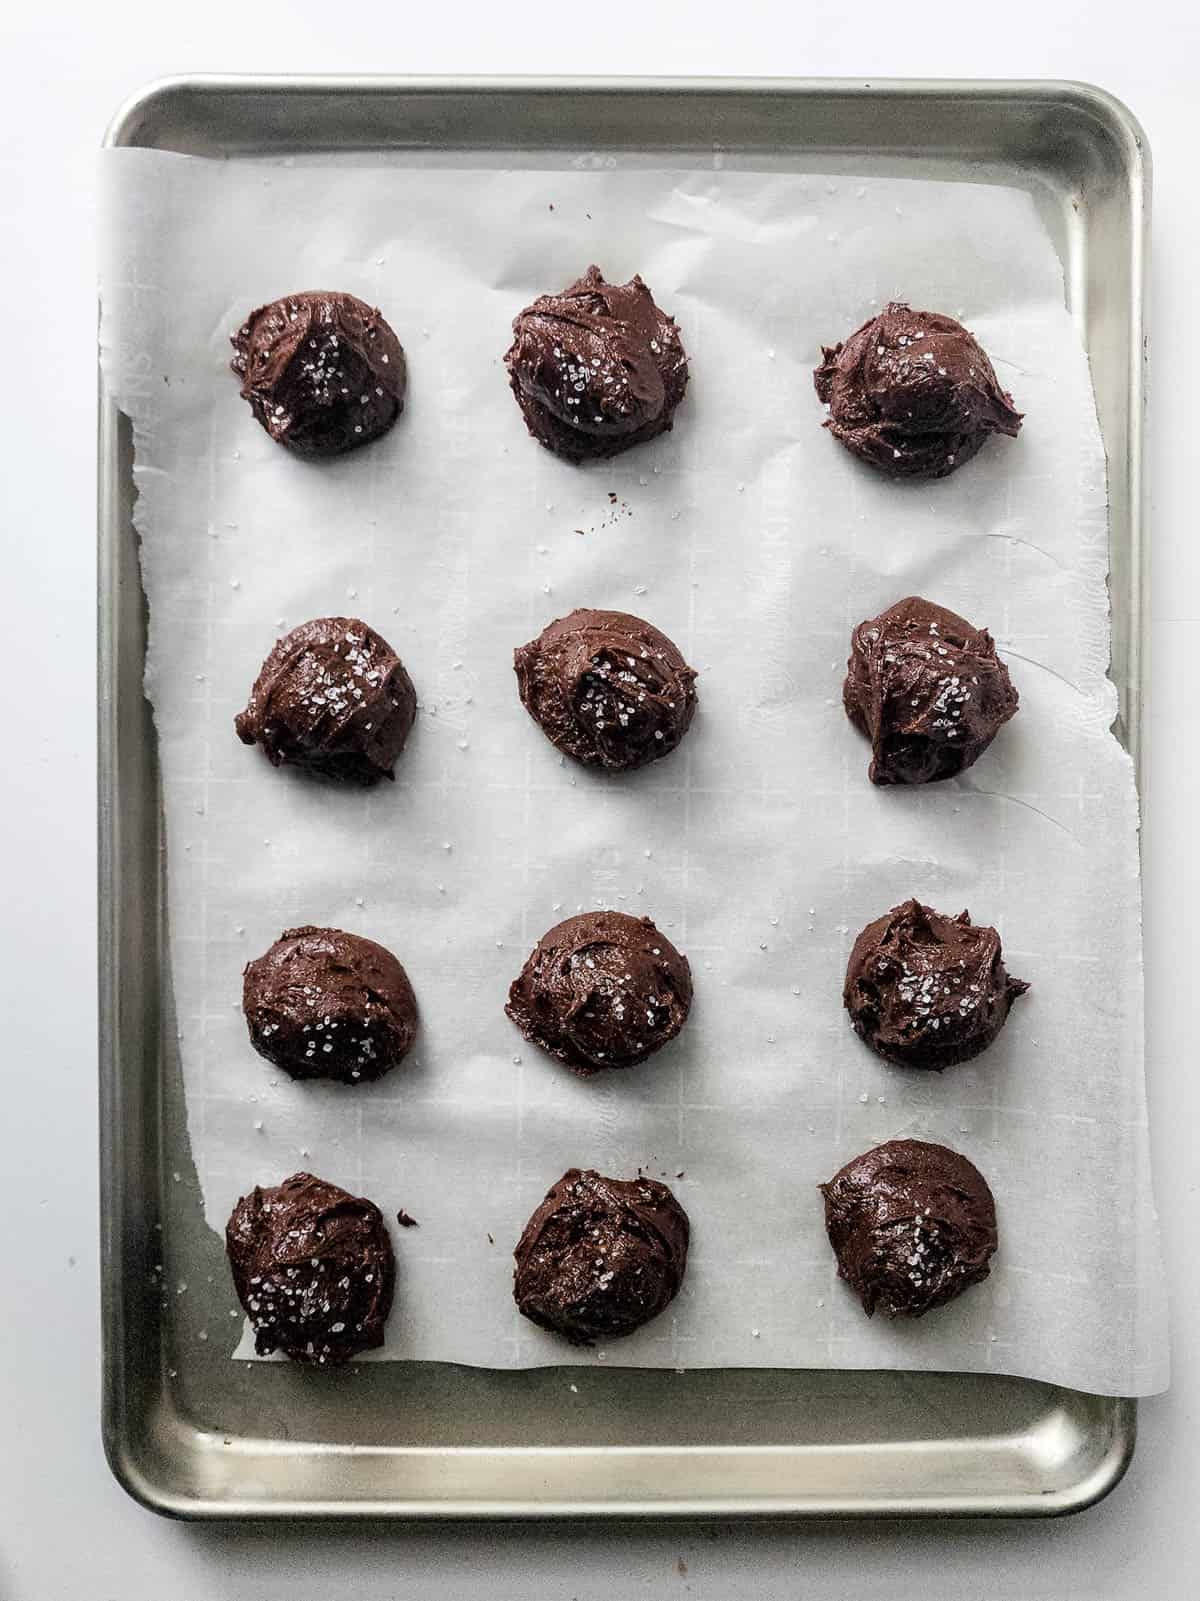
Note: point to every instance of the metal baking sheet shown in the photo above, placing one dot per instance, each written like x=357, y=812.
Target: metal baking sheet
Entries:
x=191, y=1433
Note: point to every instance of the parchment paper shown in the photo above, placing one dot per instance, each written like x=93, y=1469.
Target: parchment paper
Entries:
x=756, y=543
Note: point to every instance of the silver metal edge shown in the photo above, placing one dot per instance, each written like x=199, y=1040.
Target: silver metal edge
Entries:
x=1121, y=124
x=108, y=945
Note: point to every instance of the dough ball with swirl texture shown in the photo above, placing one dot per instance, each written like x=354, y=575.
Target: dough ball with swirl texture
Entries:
x=912, y=393
x=322, y=372
x=325, y=1004
x=607, y=689
x=600, y=1257
x=912, y=1226
x=927, y=689
x=313, y=1268
x=597, y=368
x=924, y=990
x=602, y=990
x=333, y=698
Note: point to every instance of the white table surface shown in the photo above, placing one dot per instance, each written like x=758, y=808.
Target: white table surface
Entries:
x=67, y=1532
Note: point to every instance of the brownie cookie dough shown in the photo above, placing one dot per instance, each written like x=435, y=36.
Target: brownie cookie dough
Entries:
x=313, y=1269
x=606, y=689
x=927, y=991
x=597, y=368
x=927, y=690
x=912, y=393
x=322, y=372
x=602, y=990
x=325, y=1004
x=600, y=1256
x=912, y=1226
x=333, y=698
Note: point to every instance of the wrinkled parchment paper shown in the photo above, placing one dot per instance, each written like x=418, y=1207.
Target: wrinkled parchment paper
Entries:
x=756, y=543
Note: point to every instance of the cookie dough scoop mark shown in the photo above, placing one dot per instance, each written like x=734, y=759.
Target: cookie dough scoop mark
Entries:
x=321, y=1003
x=928, y=991
x=912, y=1226
x=607, y=689
x=913, y=393
x=322, y=372
x=334, y=699
x=313, y=1268
x=927, y=689
x=600, y=1257
x=602, y=990
x=597, y=368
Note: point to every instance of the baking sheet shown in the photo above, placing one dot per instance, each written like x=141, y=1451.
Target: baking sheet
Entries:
x=756, y=543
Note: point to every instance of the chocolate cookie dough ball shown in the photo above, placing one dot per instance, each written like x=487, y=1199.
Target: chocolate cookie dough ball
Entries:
x=596, y=369
x=912, y=1226
x=912, y=393
x=313, y=1269
x=607, y=689
x=323, y=373
x=927, y=690
x=924, y=990
x=600, y=1256
x=602, y=990
x=325, y=1004
x=333, y=698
